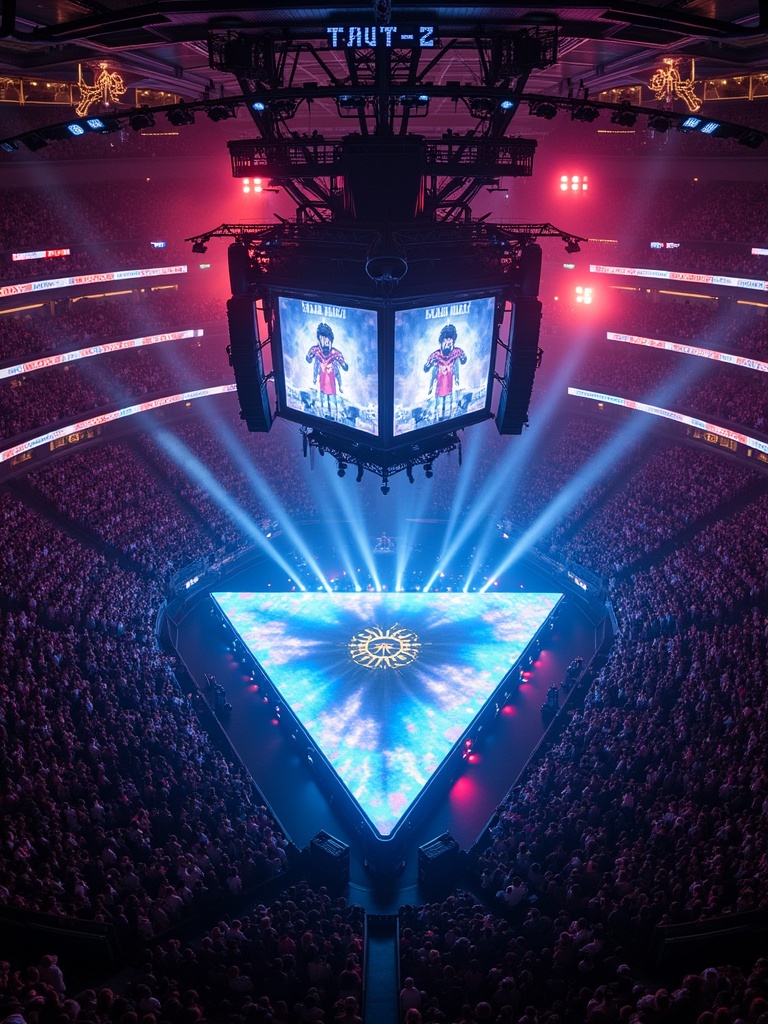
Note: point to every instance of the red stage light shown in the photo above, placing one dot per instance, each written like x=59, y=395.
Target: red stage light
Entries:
x=573, y=183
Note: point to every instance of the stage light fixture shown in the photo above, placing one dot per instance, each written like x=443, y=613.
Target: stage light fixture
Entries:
x=33, y=141
x=141, y=119
x=690, y=123
x=199, y=246
x=285, y=108
x=507, y=104
x=659, y=122
x=360, y=471
x=482, y=107
x=179, y=116
x=104, y=124
x=341, y=468
x=56, y=133
x=625, y=117
x=77, y=128
x=585, y=112
x=352, y=102
x=543, y=108
x=259, y=106
x=220, y=112
x=752, y=139
x=571, y=245
x=428, y=471
x=409, y=473
x=10, y=146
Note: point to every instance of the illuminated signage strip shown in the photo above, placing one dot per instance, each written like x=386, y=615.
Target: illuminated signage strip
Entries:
x=69, y=282
x=677, y=275
x=40, y=254
x=670, y=414
x=690, y=350
x=96, y=350
x=760, y=252
x=361, y=37
x=109, y=417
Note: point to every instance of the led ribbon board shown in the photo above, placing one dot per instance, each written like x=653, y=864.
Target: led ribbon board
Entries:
x=45, y=362
x=40, y=254
x=670, y=414
x=110, y=417
x=690, y=350
x=49, y=283
x=684, y=276
x=386, y=684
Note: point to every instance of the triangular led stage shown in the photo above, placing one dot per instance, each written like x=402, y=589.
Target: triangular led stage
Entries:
x=386, y=684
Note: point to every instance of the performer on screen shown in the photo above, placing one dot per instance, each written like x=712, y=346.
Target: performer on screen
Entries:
x=444, y=364
x=329, y=362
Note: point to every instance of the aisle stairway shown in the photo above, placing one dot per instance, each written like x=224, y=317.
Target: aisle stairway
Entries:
x=381, y=969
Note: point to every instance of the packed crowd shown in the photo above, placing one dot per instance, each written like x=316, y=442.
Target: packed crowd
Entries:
x=116, y=806
x=111, y=491
x=680, y=210
x=462, y=965
x=296, y=960
x=117, y=378
x=735, y=395
x=665, y=495
x=25, y=335
x=105, y=212
x=650, y=809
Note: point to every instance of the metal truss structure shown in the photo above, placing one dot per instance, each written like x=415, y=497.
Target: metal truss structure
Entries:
x=362, y=459
x=274, y=244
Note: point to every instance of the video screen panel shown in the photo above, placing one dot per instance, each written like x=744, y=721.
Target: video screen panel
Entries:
x=442, y=362
x=331, y=362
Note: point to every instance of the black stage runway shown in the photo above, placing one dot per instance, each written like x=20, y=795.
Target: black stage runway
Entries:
x=301, y=798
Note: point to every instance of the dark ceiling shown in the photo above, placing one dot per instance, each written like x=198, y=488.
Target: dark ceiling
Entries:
x=163, y=44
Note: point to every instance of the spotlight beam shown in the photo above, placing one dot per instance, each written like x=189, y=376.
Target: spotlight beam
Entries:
x=601, y=463
x=515, y=464
x=189, y=463
x=411, y=526
x=270, y=500
x=262, y=490
x=341, y=493
x=510, y=469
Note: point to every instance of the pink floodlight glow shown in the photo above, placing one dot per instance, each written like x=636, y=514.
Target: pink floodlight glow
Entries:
x=573, y=183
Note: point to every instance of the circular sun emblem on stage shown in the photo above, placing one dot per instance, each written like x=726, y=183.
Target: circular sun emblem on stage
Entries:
x=374, y=647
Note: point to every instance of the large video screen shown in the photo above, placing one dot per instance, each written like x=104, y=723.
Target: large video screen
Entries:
x=442, y=362
x=330, y=362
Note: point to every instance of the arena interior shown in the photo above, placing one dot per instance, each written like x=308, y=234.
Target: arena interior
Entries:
x=384, y=501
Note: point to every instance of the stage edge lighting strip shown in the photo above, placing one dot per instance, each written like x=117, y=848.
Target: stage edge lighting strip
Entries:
x=677, y=275
x=96, y=350
x=690, y=350
x=50, y=283
x=108, y=417
x=670, y=414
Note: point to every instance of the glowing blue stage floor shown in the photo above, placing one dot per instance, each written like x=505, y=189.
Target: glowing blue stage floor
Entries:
x=386, y=684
